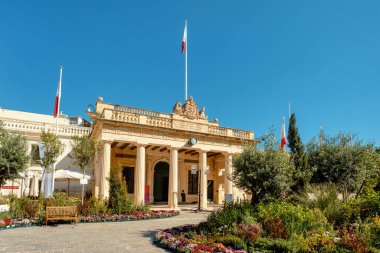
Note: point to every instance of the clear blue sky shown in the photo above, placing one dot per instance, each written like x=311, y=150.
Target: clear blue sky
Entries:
x=247, y=59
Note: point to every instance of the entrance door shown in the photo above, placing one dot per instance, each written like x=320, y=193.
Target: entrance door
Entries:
x=210, y=190
x=165, y=188
x=161, y=182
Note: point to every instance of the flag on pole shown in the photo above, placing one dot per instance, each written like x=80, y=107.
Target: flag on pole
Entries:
x=57, y=100
x=184, y=40
x=283, y=134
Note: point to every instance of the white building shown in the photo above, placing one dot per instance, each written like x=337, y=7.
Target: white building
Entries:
x=31, y=125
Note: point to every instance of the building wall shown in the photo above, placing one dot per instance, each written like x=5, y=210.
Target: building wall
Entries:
x=31, y=125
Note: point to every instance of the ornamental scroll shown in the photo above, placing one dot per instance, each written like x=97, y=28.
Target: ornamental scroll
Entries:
x=189, y=109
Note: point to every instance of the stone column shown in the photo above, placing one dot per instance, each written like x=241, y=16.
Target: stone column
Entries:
x=150, y=178
x=173, y=179
x=96, y=182
x=140, y=175
x=106, y=170
x=203, y=178
x=228, y=191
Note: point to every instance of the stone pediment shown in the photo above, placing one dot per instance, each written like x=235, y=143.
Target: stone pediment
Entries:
x=189, y=110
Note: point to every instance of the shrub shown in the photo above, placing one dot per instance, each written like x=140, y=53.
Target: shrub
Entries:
x=224, y=220
x=249, y=232
x=297, y=219
x=352, y=240
x=93, y=206
x=277, y=245
x=233, y=241
x=375, y=232
x=325, y=198
x=119, y=202
x=366, y=206
x=62, y=199
x=275, y=228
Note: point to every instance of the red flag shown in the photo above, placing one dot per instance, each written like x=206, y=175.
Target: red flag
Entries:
x=283, y=134
x=57, y=100
x=184, y=40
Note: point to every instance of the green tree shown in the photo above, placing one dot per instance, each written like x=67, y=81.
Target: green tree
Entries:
x=343, y=160
x=84, y=149
x=118, y=198
x=265, y=173
x=53, y=148
x=14, y=156
x=302, y=173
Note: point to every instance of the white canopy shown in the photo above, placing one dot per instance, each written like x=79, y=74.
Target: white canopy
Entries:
x=68, y=174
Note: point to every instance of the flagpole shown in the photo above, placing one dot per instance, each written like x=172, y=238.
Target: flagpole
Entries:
x=56, y=122
x=186, y=62
x=59, y=100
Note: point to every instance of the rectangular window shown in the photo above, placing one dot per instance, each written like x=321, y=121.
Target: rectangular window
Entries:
x=35, y=155
x=129, y=177
x=192, y=183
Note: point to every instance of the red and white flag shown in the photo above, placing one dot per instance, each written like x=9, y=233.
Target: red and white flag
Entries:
x=283, y=134
x=184, y=40
x=57, y=100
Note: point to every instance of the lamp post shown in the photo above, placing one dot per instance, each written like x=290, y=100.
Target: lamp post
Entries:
x=195, y=170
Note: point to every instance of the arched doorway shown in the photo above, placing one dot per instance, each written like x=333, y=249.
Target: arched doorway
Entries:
x=161, y=182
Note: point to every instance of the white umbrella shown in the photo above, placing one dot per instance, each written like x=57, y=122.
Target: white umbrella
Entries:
x=69, y=174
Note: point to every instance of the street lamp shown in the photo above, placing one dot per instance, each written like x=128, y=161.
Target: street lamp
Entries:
x=195, y=170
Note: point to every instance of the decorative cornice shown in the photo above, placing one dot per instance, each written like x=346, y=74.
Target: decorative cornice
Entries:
x=37, y=127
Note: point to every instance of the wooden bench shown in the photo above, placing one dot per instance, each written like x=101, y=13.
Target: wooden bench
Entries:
x=61, y=213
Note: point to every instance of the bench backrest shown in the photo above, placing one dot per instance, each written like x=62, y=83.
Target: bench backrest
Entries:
x=54, y=211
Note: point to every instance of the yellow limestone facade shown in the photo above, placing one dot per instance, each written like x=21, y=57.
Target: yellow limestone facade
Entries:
x=166, y=157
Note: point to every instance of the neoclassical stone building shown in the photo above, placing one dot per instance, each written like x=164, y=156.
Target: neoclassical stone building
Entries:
x=165, y=157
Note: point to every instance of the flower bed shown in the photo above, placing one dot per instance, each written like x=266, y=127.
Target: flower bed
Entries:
x=21, y=222
x=143, y=215
x=186, y=239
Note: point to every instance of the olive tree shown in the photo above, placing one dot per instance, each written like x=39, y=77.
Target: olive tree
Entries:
x=265, y=173
x=14, y=156
x=52, y=149
x=343, y=160
x=84, y=149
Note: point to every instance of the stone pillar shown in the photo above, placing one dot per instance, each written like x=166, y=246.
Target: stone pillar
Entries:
x=150, y=179
x=96, y=182
x=106, y=170
x=228, y=191
x=173, y=179
x=140, y=175
x=203, y=178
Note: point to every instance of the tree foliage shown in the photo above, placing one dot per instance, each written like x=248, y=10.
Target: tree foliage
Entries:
x=53, y=148
x=14, y=156
x=343, y=160
x=118, y=198
x=265, y=173
x=84, y=149
x=302, y=173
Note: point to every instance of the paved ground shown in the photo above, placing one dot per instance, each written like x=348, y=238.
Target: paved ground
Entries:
x=132, y=236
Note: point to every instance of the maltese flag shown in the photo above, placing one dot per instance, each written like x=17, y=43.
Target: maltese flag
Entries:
x=283, y=134
x=57, y=100
x=184, y=40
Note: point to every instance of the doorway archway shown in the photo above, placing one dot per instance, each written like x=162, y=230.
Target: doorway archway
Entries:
x=161, y=182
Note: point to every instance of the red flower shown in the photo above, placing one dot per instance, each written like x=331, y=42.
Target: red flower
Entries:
x=8, y=221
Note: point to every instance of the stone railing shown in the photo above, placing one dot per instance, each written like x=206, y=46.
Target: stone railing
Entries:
x=136, y=111
x=217, y=130
x=37, y=127
x=159, y=122
x=125, y=117
x=149, y=118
